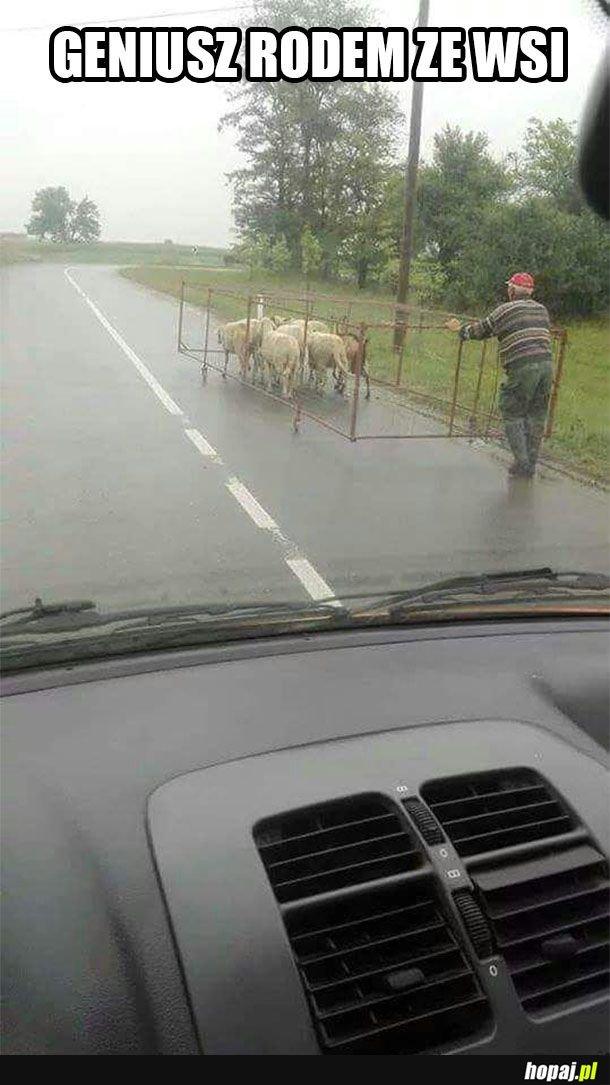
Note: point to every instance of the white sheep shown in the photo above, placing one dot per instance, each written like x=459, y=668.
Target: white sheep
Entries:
x=297, y=329
x=312, y=325
x=236, y=340
x=279, y=353
x=327, y=351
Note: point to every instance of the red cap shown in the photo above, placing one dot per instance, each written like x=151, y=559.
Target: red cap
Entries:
x=522, y=278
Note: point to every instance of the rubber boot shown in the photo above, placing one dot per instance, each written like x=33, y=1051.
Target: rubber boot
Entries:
x=516, y=437
x=534, y=432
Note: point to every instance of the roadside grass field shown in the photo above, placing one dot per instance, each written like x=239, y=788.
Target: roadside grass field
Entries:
x=19, y=249
x=581, y=436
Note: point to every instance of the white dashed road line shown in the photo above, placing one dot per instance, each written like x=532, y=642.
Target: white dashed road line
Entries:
x=202, y=445
x=299, y=565
x=311, y=580
x=250, y=505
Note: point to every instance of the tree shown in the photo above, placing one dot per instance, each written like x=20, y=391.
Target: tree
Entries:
x=51, y=209
x=462, y=179
x=256, y=253
x=362, y=227
x=567, y=254
x=540, y=224
x=279, y=255
x=315, y=152
x=84, y=221
x=311, y=253
x=549, y=166
x=57, y=216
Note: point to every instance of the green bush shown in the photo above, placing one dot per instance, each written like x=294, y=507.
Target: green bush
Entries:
x=568, y=255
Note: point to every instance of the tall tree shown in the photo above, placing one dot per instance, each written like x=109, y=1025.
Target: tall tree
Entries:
x=461, y=180
x=315, y=153
x=356, y=222
x=85, y=221
x=51, y=210
x=548, y=166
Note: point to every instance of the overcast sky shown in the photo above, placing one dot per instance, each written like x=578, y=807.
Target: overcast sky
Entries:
x=150, y=154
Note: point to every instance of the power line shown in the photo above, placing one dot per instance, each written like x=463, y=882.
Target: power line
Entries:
x=132, y=18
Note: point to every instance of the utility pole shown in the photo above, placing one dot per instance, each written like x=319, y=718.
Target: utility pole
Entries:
x=406, y=250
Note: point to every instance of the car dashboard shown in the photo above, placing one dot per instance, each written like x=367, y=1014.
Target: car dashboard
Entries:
x=387, y=841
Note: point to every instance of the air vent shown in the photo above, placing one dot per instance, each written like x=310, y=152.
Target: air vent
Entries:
x=384, y=973
x=327, y=847
x=496, y=810
x=550, y=916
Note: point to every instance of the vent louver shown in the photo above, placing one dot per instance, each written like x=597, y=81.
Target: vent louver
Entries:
x=384, y=973
x=334, y=845
x=550, y=915
x=493, y=810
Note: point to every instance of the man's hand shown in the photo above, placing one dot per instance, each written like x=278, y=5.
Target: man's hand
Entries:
x=454, y=324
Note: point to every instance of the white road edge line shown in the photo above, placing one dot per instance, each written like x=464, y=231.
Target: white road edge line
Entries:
x=314, y=584
x=142, y=369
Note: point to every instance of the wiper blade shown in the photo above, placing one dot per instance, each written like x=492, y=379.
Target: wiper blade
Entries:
x=516, y=586
x=83, y=615
x=42, y=610
x=46, y=643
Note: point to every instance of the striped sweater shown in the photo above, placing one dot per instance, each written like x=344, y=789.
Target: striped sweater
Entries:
x=523, y=329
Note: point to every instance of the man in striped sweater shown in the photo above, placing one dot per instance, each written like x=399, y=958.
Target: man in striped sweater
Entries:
x=523, y=329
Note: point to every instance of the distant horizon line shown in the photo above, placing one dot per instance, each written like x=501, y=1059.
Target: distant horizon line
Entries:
x=122, y=241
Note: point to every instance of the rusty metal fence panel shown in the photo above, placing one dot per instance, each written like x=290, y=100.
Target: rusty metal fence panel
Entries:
x=426, y=382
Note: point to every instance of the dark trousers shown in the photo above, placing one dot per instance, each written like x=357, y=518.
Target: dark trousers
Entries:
x=526, y=390
x=524, y=401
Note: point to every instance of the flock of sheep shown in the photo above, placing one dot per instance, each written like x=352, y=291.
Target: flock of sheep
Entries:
x=280, y=351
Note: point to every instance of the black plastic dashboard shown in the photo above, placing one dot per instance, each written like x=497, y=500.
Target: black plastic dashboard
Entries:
x=138, y=916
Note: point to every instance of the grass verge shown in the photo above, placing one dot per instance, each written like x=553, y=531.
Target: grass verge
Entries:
x=18, y=249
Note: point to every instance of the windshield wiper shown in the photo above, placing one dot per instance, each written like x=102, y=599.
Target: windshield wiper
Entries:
x=41, y=610
x=518, y=587
x=83, y=615
x=60, y=633
x=42, y=639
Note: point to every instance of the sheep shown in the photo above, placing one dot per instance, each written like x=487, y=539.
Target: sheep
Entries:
x=312, y=325
x=232, y=336
x=233, y=339
x=352, y=350
x=279, y=353
x=296, y=328
x=256, y=338
x=327, y=351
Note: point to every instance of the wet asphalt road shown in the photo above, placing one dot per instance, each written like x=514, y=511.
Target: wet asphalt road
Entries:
x=106, y=496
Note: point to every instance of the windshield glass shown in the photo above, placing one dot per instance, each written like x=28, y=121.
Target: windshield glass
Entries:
x=298, y=324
